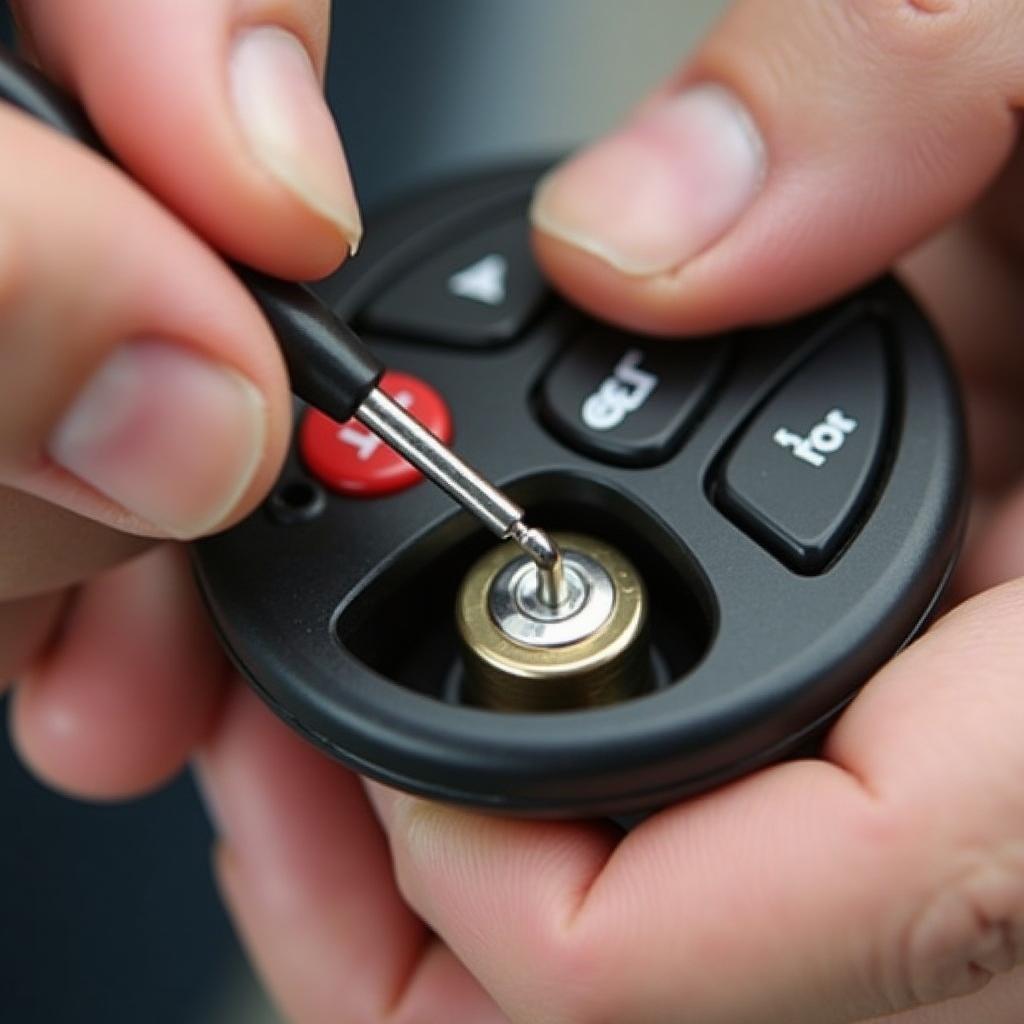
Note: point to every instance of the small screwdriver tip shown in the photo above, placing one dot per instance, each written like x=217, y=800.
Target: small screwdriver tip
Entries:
x=536, y=543
x=547, y=556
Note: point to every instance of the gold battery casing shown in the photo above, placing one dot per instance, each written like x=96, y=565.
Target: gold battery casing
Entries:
x=609, y=665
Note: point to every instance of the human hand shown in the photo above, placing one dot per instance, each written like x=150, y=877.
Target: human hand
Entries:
x=142, y=395
x=887, y=875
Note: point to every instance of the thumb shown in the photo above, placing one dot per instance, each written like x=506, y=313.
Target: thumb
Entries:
x=804, y=148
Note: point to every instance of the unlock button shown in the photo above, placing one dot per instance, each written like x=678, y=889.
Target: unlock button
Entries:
x=626, y=399
x=805, y=467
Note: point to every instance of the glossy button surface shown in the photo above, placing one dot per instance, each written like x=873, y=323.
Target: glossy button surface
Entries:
x=628, y=399
x=476, y=292
x=804, y=469
x=349, y=458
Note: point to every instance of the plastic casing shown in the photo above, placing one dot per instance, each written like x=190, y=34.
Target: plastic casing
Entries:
x=300, y=601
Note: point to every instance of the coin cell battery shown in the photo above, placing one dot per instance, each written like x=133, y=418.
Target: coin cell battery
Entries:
x=522, y=655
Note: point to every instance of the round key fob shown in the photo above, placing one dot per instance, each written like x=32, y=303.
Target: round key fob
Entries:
x=754, y=523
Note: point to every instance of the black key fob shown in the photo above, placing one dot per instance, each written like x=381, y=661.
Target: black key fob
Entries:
x=792, y=499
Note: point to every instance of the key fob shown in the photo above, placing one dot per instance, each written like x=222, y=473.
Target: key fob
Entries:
x=792, y=497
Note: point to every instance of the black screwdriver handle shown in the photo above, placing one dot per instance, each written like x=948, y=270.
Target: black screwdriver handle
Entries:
x=329, y=366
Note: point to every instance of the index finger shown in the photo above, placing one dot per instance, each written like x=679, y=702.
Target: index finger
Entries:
x=216, y=107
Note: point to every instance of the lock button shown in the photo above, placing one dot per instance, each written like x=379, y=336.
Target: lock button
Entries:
x=802, y=473
x=626, y=399
x=350, y=459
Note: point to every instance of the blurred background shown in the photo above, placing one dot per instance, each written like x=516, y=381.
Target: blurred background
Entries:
x=108, y=914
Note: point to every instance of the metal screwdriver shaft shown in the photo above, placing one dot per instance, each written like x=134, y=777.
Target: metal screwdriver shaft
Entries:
x=502, y=516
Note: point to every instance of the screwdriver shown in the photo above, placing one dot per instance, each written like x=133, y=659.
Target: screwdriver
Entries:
x=330, y=367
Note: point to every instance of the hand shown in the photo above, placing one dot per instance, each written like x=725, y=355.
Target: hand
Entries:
x=142, y=395
x=804, y=148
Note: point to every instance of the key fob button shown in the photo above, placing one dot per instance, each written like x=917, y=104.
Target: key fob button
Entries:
x=802, y=472
x=629, y=400
x=349, y=459
x=481, y=292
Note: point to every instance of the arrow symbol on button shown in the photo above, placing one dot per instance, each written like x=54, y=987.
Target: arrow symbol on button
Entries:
x=484, y=281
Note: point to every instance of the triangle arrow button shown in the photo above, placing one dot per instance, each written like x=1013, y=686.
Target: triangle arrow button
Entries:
x=484, y=281
x=483, y=290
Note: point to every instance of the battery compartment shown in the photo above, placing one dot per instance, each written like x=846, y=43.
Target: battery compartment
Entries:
x=402, y=622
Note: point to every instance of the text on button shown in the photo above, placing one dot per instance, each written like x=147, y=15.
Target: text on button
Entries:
x=824, y=439
x=625, y=391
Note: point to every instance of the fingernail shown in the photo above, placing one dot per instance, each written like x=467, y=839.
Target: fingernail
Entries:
x=166, y=434
x=285, y=119
x=662, y=189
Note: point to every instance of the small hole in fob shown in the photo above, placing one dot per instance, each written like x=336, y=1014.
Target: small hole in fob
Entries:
x=296, y=501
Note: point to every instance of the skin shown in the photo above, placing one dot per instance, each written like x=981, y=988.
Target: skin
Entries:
x=886, y=877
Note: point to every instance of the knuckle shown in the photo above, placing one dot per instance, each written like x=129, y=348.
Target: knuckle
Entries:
x=969, y=931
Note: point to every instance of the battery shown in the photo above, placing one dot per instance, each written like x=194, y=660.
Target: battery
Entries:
x=520, y=654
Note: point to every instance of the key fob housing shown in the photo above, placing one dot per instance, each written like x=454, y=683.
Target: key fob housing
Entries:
x=793, y=497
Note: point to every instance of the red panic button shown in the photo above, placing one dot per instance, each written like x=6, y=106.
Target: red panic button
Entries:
x=351, y=459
